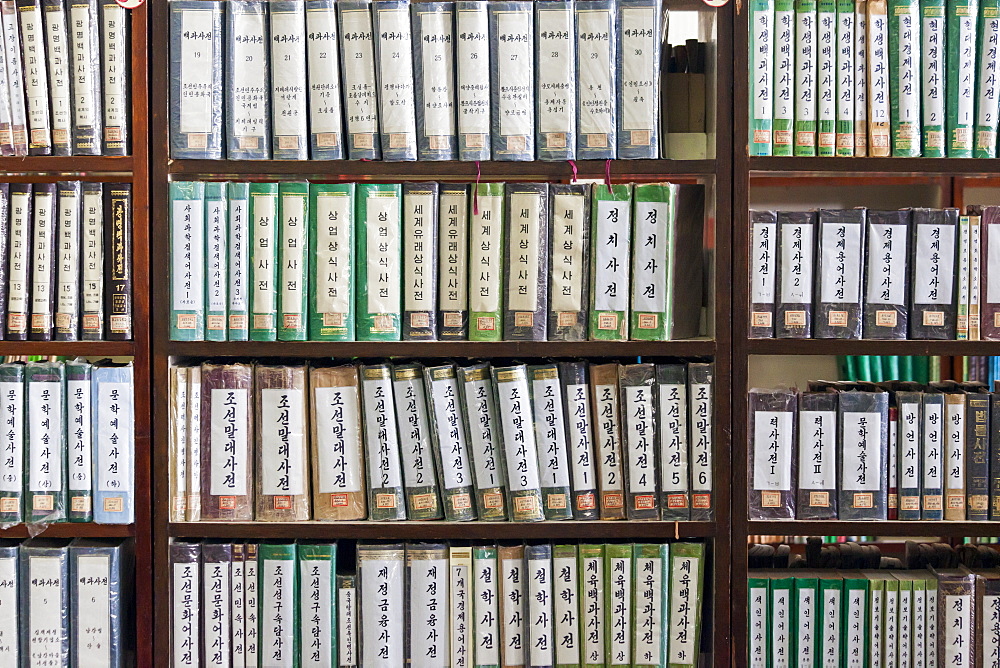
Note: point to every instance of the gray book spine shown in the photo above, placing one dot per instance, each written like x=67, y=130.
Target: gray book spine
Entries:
x=357, y=54
x=672, y=431
x=639, y=38
x=395, y=76
x=434, y=79
x=549, y=417
x=569, y=276
x=526, y=301
x=555, y=79
x=196, y=79
x=248, y=86
x=451, y=442
x=420, y=262
x=85, y=51
x=580, y=439
x=69, y=248
x=97, y=574
x=472, y=69
x=863, y=425
x=326, y=112
x=60, y=76
x=116, y=62
x=289, y=108
x=92, y=267
x=838, y=274
x=45, y=602
x=453, y=259
x=512, y=106
x=596, y=72
x=10, y=588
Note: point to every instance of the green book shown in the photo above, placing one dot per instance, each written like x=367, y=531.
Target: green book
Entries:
x=805, y=77
x=783, y=123
x=855, y=620
x=238, y=245
x=12, y=408
x=187, y=267
x=331, y=243
x=45, y=500
x=906, y=371
x=293, y=259
x=611, y=237
x=687, y=576
x=826, y=82
x=934, y=369
x=933, y=54
x=592, y=603
x=987, y=102
x=829, y=616
x=655, y=253
x=761, y=91
x=618, y=611
x=649, y=608
x=890, y=621
x=485, y=608
x=921, y=369
x=904, y=77
x=848, y=367
x=80, y=446
x=876, y=615
x=960, y=76
x=263, y=262
x=566, y=606
x=779, y=612
x=486, y=260
x=379, y=261
x=891, y=367
x=318, y=603
x=864, y=368
x=277, y=587
x=758, y=621
x=906, y=639
x=805, y=623
x=845, y=78
x=216, y=261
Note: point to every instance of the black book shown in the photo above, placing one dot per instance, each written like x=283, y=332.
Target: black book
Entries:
x=838, y=274
x=886, y=284
x=796, y=264
x=118, y=255
x=933, y=314
x=977, y=457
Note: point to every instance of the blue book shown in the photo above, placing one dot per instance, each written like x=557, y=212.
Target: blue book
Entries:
x=114, y=456
x=196, y=79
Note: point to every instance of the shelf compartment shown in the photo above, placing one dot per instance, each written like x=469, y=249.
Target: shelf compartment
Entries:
x=82, y=348
x=944, y=529
x=869, y=166
x=77, y=164
x=869, y=347
x=73, y=530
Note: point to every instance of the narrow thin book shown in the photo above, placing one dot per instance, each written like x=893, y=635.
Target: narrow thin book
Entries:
x=238, y=244
x=187, y=250
x=421, y=462
x=293, y=260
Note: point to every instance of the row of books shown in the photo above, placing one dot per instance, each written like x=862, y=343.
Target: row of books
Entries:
x=437, y=604
x=293, y=261
x=865, y=451
x=66, y=602
x=862, y=273
x=64, y=77
x=469, y=80
x=905, y=78
x=65, y=261
x=555, y=441
x=66, y=442
x=877, y=368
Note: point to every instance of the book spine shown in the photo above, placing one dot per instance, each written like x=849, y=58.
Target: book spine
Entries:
x=649, y=614
x=861, y=78
x=379, y=262
x=337, y=448
x=826, y=89
x=910, y=460
x=932, y=507
x=293, y=258
x=772, y=454
x=12, y=438
x=994, y=444
x=955, y=457
x=960, y=77
x=592, y=605
x=44, y=572
x=385, y=478
x=804, y=87
x=618, y=614
x=381, y=597
x=277, y=584
x=486, y=608
x=45, y=499
x=281, y=488
x=977, y=472
x=687, y=570
x=196, y=86
x=6, y=125
x=520, y=445
x=248, y=84
x=853, y=622
x=486, y=261
x=975, y=276
x=759, y=636
x=453, y=259
x=226, y=470
x=59, y=77
x=420, y=294
x=550, y=435
x=512, y=93
x=513, y=590
x=116, y=95
x=673, y=434
x=638, y=399
x=96, y=593
x=347, y=621
x=701, y=421
x=187, y=271
x=19, y=263
x=962, y=279
x=83, y=36
x=36, y=91
x=596, y=58
x=473, y=70
x=317, y=600
x=289, y=106
x=639, y=40
x=451, y=443
x=216, y=600
x=80, y=432
x=527, y=291
x=394, y=63
x=485, y=448
x=904, y=80
x=933, y=54
x=178, y=443
x=460, y=607
x=331, y=237
x=763, y=270
x=421, y=458
x=990, y=287
x=118, y=256
x=15, y=76
x=607, y=435
x=652, y=260
x=434, y=67
x=427, y=602
x=932, y=274
x=569, y=206
x=580, y=439
x=816, y=494
x=863, y=425
x=92, y=257
x=357, y=53
x=326, y=114
x=193, y=447
x=540, y=621
x=885, y=312
x=609, y=261
x=252, y=603
x=43, y=261
x=956, y=617
x=238, y=261
x=566, y=605
x=216, y=261
x=263, y=261
x=879, y=140
x=238, y=627
x=795, y=274
x=69, y=244
x=838, y=273
x=985, y=135
x=762, y=86
x=555, y=80
x=845, y=78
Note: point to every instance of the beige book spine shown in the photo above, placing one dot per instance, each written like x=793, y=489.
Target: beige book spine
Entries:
x=282, y=480
x=335, y=451
x=178, y=443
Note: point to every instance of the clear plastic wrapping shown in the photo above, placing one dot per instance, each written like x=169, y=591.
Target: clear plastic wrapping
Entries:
x=863, y=423
x=178, y=443
x=527, y=298
x=596, y=71
x=421, y=464
x=555, y=80
x=512, y=90
x=420, y=261
x=569, y=286
x=520, y=448
x=607, y=440
x=550, y=434
x=434, y=80
x=381, y=575
x=394, y=66
x=817, y=457
x=289, y=105
x=763, y=262
x=886, y=296
x=337, y=449
x=248, y=119
x=226, y=452
x=796, y=261
x=326, y=114
x=672, y=431
x=385, y=478
x=282, y=481
x=13, y=407
x=196, y=87
x=839, y=268
x=449, y=422
x=485, y=447
x=45, y=499
x=45, y=600
x=580, y=439
x=933, y=275
x=85, y=50
x=639, y=426
x=69, y=247
x=82, y=466
x=772, y=464
x=427, y=599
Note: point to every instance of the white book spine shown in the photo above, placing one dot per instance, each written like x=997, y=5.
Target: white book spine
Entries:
x=59, y=77
x=325, y=111
x=217, y=631
x=289, y=109
x=194, y=445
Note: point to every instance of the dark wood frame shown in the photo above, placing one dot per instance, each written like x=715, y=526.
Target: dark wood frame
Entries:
x=716, y=172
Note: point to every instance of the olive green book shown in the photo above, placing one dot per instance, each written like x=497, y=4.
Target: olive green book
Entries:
x=649, y=607
x=331, y=276
x=592, y=605
x=378, y=261
x=317, y=629
x=263, y=261
x=293, y=259
x=486, y=263
x=687, y=576
x=238, y=247
x=618, y=612
x=216, y=261
x=933, y=84
x=960, y=76
x=904, y=79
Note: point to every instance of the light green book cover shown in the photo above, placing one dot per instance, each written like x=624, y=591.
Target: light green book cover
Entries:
x=854, y=620
x=933, y=35
x=779, y=606
x=687, y=581
x=761, y=59
x=618, y=612
x=187, y=261
x=806, y=54
x=592, y=605
x=758, y=626
x=960, y=77
x=216, y=261
x=611, y=248
x=378, y=261
x=987, y=100
x=485, y=607
x=904, y=79
x=876, y=615
x=649, y=609
x=238, y=245
x=318, y=603
x=653, y=260
x=831, y=604
x=826, y=80
x=278, y=613
x=293, y=259
x=264, y=261
x=331, y=243
x=487, y=237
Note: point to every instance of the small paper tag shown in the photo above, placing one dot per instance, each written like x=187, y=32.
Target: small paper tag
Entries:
x=227, y=503
x=909, y=503
x=114, y=504
x=288, y=142
x=525, y=504
x=795, y=318
x=524, y=319
x=837, y=319
x=613, y=500
x=648, y=320
x=819, y=499
x=761, y=319
x=932, y=502
x=607, y=321
x=424, y=501
x=338, y=500
x=701, y=500
x=364, y=140
x=282, y=502
x=461, y=502
x=770, y=499
x=885, y=318
x=864, y=500
x=586, y=501
x=555, y=140
x=677, y=501
x=956, y=502
x=555, y=501
x=326, y=140
x=486, y=323
x=933, y=319
x=493, y=501
x=334, y=319
x=420, y=320
x=569, y=318
x=385, y=500
x=43, y=502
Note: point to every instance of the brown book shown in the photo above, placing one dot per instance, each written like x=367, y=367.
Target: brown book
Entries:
x=955, y=453
x=282, y=481
x=226, y=455
x=607, y=438
x=338, y=472
x=956, y=617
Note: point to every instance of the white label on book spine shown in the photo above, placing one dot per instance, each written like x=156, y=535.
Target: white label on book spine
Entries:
x=826, y=98
x=518, y=436
x=324, y=70
x=857, y=629
x=293, y=253
x=904, y=626
x=592, y=608
x=797, y=249
x=283, y=441
x=524, y=249
x=13, y=62
x=685, y=589
x=395, y=72
x=805, y=66
x=986, y=114
x=762, y=262
x=763, y=64
x=580, y=437
x=68, y=292
x=845, y=68
x=649, y=604
x=288, y=74
x=45, y=420
x=817, y=450
x=277, y=630
x=840, y=263
x=891, y=630
x=701, y=436
x=550, y=431
x=12, y=435
x=806, y=631
x=935, y=270
x=515, y=65
x=933, y=435
x=874, y=627
x=483, y=433
x=485, y=255
x=438, y=72
x=198, y=44
x=45, y=607
x=991, y=628
x=188, y=272
x=380, y=435
x=862, y=451
x=346, y=625
x=781, y=635
x=932, y=56
x=485, y=610
x=430, y=637
x=966, y=70
x=382, y=600
x=360, y=94
x=338, y=434
x=115, y=59
x=383, y=254
x=194, y=444
x=606, y=428
x=414, y=430
x=80, y=435
x=759, y=633
x=596, y=78
x=460, y=609
x=612, y=242
x=248, y=76
x=43, y=248
x=958, y=636
x=620, y=633
x=861, y=72
x=886, y=264
x=673, y=435
x=334, y=241
x=229, y=442
x=652, y=257
x=59, y=75
x=993, y=253
x=569, y=221
x=919, y=630
x=451, y=436
x=217, y=631
x=316, y=630
x=955, y=445
x=453, y=274
x=555, y=70
x=472, y=58
x=216, y=241
x=418, y=254
x=772, y=450
x=82, y=30
x=831, y=632
x=251, y=607
x=539, y=572
x=784, y=65
x=512, y=609
x=92, y=281
x=566, y=610
x=237, y=243
x=9, y=637
x=640, y=439
x=238, y=634
x=640, y=71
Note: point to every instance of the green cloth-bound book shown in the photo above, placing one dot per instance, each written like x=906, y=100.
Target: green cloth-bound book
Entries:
x=263, y=261
x=277, y=587
x=317, y=603
x=293, y=259
x=610, y=236
x=238, y=246
x=331, y=240
x=378, y=261
x=904, y=77
x=216, y=261
x=960, y=77
x=486, y=259
x=187, y=261
x=761, y=58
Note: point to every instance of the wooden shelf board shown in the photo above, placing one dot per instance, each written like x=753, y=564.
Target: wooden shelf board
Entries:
x=869, y=347
x=73, y=530
x=570, y=530
x=77, y=164
x=868, y=166
x=84, y=348
x=870, y=528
